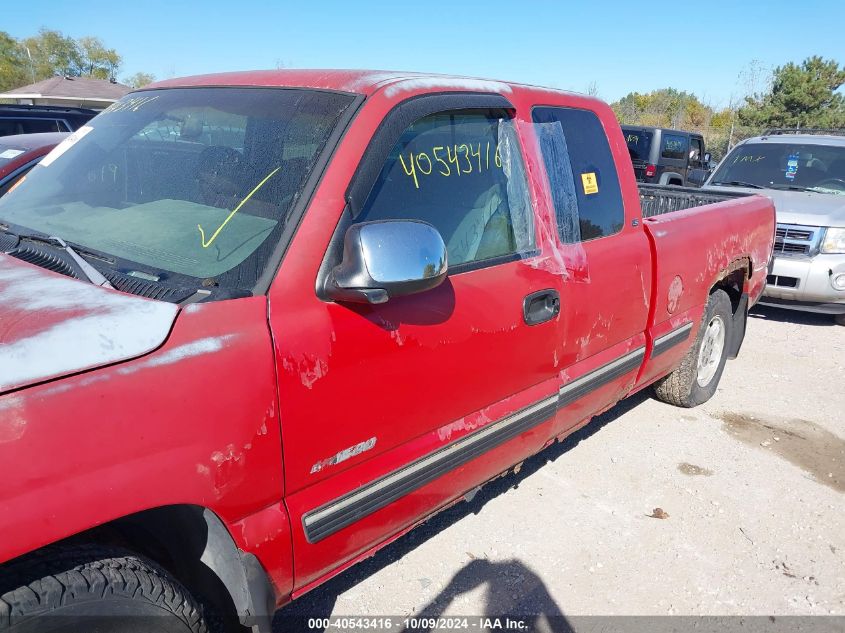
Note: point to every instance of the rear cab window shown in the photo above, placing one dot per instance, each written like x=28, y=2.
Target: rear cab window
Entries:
x=582, y=173
x=463, y=173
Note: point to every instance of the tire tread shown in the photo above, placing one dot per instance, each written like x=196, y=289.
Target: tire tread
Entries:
x=38, y=584
x=678, y=387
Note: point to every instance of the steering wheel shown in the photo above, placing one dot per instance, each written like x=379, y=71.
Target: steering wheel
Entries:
x=839, y=182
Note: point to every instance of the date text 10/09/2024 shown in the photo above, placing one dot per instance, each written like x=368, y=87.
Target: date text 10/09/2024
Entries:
x=459, y=623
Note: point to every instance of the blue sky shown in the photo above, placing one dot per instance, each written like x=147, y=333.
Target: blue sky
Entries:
x=700, y=46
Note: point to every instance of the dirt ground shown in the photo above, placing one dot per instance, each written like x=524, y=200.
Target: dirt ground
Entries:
x=750, y=486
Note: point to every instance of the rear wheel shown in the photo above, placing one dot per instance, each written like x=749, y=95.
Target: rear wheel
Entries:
x=839, y=319
x=92, y=588
x=694, y=381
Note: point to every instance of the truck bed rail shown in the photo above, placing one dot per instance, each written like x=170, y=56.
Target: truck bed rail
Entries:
x=660, y=199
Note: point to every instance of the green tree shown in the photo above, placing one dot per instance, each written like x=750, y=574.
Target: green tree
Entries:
x=54, y=54
x=14, y=65
x=96, y=60
x=139, y=80
x=721, y=132
x=805, y=95
x=50, y=53
x=666, y=107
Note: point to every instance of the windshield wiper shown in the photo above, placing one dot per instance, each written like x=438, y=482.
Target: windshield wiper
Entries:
x=790, y=187
x=91, y=274
x=737, y=183
x=836, y=192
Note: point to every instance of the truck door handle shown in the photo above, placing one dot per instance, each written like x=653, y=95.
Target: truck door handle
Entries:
x=541, y=306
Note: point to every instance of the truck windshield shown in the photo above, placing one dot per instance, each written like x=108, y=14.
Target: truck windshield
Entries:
x=819, y=168
x=192, y=182
x=639, y=143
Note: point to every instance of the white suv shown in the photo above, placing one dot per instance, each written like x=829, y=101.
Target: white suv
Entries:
x=804, y=174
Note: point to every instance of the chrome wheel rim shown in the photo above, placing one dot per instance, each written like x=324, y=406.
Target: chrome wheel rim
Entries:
x=710, y=354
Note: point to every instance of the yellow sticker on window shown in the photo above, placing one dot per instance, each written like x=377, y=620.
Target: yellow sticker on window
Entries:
x=590, y=183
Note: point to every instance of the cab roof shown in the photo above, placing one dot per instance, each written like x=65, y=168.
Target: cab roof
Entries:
x=364, y=82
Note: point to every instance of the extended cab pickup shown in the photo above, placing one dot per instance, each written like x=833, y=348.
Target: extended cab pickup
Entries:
x=255, y=326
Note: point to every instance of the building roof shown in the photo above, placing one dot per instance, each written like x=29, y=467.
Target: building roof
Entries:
x=71, y=89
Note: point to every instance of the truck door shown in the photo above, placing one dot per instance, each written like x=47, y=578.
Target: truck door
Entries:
x=606, y=288
x=376, y=400
x=697, y=171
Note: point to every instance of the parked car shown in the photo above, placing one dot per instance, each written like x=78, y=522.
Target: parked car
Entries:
x=666, y=156
x=240, y=357
x=20, y=153
x=803, y=171
x=33, y=119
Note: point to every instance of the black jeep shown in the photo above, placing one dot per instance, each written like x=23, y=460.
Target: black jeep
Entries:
x=667, y=157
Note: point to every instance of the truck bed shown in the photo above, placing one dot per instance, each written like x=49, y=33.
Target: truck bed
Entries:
x=660, y=199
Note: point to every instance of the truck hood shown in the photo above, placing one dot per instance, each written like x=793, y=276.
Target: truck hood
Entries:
x=52, y=325
x=800, y=207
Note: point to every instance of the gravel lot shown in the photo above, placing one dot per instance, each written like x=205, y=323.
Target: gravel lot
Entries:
x=752, y=483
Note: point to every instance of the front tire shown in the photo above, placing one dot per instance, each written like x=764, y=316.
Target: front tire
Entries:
x=694, y=381
x=92, y=588
x=839, y=319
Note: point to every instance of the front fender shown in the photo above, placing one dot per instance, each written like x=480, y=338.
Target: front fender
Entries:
x=195, y=422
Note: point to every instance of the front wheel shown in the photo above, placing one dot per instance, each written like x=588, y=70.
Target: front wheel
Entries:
x=694, y=381
x=839, y=319
x=92, y=588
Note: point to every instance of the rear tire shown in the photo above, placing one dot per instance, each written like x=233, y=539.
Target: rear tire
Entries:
x=839, y=319
x=93, y=588
x=694, y=381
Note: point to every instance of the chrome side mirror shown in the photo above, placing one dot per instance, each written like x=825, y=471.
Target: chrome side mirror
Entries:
x=388, y=258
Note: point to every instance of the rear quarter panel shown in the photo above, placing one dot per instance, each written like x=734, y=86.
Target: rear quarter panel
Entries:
x=695, y=248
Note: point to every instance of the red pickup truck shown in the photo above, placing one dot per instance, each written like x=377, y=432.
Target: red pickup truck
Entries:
x=255, y=326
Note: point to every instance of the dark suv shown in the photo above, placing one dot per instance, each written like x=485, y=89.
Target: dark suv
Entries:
x=30, y=119
x=667, y=157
